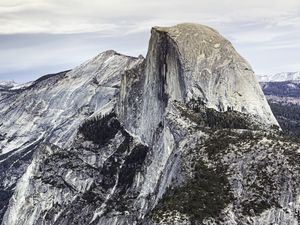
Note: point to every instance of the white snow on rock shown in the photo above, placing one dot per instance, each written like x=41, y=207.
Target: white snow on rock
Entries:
x=280, y=77
x=7, y=84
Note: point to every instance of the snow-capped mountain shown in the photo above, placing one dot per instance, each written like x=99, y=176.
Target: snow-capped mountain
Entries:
x=183, y=136
x=279, y=77
x=6, y=84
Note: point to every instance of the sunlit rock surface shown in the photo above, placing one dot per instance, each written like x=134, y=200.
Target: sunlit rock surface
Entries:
x=51, y=109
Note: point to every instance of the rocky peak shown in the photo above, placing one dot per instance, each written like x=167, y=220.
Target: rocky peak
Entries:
x=209, y=67
x=187, y=62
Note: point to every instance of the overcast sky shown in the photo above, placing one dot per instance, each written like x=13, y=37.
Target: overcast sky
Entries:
x=46, y=36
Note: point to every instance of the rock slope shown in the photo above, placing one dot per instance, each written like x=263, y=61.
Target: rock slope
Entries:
x=184, y=136
x=51, y=109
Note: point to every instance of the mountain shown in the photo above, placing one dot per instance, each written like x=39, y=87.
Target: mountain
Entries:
x=284, y=89
x=280, y=77
x=284, y=99
x=6, y=84
x=51, y=109
x=183, y=136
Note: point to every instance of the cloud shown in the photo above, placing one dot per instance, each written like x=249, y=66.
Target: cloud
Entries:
x=57, y=16
x=54, y=34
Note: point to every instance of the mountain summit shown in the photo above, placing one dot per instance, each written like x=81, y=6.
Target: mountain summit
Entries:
x=183, y=136
x=194, y=62
x=280, y=77
x=209, y=68
x=213, y=70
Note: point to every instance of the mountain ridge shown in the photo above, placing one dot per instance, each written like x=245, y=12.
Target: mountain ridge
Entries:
x=280, y=77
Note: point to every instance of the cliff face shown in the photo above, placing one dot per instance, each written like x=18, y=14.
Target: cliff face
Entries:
x=184, y=136
x=192, y=62
x=51, y=109
x=209, y=68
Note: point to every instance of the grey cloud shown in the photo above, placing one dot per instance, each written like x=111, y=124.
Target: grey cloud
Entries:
x=42, y=36
x=27, y=56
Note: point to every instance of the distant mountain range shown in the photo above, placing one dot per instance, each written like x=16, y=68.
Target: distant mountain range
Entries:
x=279, y=77
x=284, y=100
x=7, y=84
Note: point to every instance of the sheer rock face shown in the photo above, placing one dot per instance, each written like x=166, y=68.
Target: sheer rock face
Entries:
x=144, y=133
x=191, y=61
x=215, y=72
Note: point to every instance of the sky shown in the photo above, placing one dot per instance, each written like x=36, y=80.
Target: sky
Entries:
x=39, y=37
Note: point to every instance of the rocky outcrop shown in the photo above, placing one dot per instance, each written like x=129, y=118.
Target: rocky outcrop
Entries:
x=186, y=62
x=184, y=136
x=209, y=68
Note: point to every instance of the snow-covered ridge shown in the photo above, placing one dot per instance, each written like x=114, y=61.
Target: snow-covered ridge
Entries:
x=12, y=85
x=7, y=84
x=279, y=77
